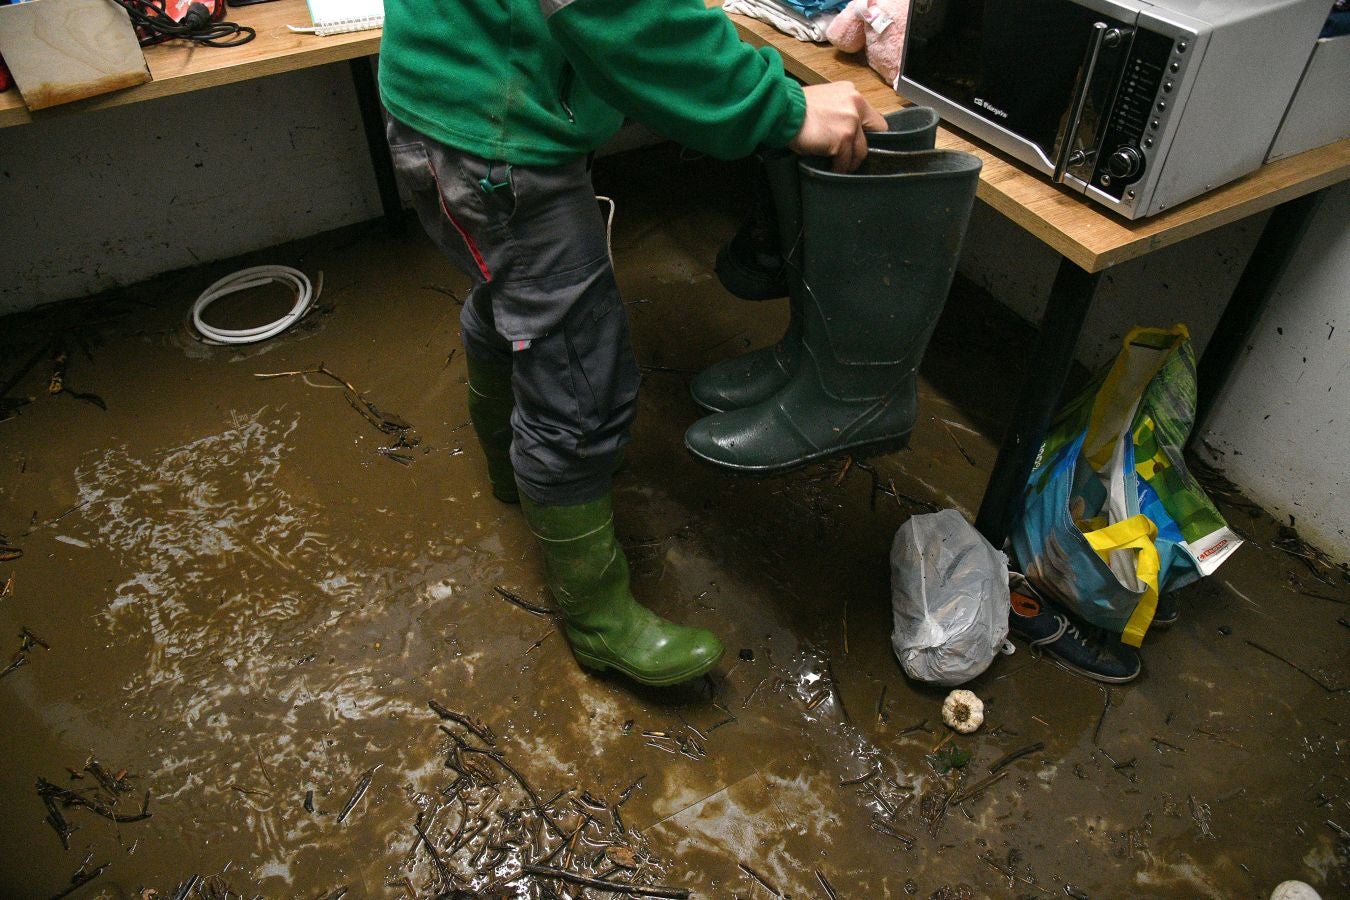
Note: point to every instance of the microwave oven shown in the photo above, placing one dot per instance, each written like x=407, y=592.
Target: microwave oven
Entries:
x=1136, y=105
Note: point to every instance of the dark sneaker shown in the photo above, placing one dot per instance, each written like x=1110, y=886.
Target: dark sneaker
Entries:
x=1167, y=613
x=1088, y=651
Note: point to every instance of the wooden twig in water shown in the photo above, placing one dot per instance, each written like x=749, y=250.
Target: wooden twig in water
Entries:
x=524, y=604
x=826, y=886
x=357, y=793
x=624, y=795
x=1096, y=732
x=866, y=776
x=483, y=732
x=599, y=884
x=1319, y=682
x=951, y=434
x=80, y=879
x=980, y=787
x=525, y=785
x=441, y=870
x=1012, y=757
x=1010, y=874
x=891, y=831
x=760, y=879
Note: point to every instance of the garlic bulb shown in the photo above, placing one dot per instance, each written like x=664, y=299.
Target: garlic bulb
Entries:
x=963, y=711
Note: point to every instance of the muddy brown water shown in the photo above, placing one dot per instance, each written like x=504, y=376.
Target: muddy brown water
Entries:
x=246, y=602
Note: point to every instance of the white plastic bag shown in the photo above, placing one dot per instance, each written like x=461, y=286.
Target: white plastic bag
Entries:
x=949, y=592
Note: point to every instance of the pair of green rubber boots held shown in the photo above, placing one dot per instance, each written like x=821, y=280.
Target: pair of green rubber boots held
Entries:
x=585, y=568
x=868, y=259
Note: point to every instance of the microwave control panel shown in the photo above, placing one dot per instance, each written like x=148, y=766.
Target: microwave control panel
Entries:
x=1143, y=100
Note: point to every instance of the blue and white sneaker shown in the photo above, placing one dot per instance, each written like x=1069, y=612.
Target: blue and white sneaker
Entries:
x=1089, y=651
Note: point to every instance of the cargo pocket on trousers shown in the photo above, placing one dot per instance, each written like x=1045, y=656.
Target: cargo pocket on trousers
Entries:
x=604, y=374
x=413, y=167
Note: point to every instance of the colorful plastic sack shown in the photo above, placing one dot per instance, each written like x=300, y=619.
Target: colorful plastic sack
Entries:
x=1111, y=517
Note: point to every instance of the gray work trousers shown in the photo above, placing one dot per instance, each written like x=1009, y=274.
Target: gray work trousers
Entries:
x=544, y=302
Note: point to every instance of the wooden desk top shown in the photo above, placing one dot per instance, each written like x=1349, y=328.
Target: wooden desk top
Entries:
x=1085, y=234
x=178, y=67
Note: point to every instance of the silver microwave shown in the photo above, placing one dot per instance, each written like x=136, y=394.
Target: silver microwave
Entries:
x=1138, y=106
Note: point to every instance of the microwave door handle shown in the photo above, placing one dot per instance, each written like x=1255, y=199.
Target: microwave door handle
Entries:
x=1080, y=95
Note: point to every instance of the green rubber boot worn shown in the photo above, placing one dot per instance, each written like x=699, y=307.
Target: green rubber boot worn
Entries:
x=755, y=376
x=490, y=404
x=880, y=251
x=587, y=573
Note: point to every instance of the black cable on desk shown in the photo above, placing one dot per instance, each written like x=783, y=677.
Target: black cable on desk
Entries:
x=154, y=25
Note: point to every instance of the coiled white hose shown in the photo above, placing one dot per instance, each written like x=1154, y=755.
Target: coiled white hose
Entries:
x=242, y=281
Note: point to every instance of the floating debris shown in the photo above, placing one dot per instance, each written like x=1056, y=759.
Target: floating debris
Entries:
x=1012, y=757
x=524, y=604
x=357, y=793
x=81, y=878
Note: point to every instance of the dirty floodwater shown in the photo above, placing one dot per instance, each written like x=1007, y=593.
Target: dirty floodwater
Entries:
x=246, y=609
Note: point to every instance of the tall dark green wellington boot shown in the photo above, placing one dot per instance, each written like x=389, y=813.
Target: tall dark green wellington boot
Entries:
x=751, y=377
x=587, y=572
x=881, y=247
x=490, y=404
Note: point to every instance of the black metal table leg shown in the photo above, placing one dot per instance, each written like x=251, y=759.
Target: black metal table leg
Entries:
x=372, y=118
x=1070, y=298
x=1268, y=262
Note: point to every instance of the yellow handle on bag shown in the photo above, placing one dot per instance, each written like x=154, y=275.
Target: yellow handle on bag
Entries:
x=1135, y=533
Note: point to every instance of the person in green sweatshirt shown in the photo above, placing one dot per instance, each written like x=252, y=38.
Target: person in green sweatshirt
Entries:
x=493, y=110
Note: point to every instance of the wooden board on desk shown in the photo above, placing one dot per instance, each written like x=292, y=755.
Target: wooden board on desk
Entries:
x=60, y=51
x=179, y=67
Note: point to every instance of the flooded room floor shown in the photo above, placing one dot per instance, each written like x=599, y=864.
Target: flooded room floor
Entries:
x=304, y=646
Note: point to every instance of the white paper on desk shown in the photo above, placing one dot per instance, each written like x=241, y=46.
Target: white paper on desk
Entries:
x=342, y=16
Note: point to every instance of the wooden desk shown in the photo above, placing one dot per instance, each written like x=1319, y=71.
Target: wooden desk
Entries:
x=1088, y=239
x=178, y=68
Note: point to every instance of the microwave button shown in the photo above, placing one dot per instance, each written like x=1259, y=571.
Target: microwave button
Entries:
x=1125, y=162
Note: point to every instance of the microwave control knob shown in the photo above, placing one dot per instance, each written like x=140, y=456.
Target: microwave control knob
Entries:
x=1125, y=162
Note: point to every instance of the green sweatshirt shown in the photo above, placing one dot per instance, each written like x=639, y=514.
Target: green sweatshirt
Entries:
x=538, y=82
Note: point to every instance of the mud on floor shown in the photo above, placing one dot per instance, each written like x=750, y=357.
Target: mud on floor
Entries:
x=235, y=604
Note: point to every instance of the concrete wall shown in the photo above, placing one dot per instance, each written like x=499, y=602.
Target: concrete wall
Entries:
x=110, y=198
x=1282, y=429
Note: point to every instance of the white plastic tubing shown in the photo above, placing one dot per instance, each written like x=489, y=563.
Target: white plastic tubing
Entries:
x=242, y=281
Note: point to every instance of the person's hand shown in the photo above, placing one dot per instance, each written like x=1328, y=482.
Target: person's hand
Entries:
x=836, y=117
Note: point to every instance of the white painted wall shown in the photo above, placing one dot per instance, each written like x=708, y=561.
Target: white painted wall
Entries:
x=1282, y=429
x=110, y=198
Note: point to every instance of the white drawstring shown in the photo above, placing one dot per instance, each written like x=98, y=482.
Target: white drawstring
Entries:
x=609, y=226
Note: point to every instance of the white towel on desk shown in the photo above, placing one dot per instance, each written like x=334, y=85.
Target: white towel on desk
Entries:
x=788, y=21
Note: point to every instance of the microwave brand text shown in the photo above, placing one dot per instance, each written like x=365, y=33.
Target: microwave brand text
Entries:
x=985, y=104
